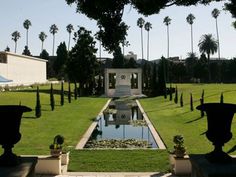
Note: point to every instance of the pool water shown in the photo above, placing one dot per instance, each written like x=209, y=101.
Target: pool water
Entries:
x=123, y=121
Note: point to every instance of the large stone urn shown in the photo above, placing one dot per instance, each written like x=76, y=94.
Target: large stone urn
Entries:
x=219, y=119
x=10, y=132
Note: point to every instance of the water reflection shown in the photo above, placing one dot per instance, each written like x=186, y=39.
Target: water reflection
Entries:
x=122, y=121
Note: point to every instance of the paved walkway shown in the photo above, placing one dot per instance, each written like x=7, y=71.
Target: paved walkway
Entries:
x=109, y=174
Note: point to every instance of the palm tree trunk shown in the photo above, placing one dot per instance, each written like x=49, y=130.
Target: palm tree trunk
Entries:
x=27, y=38
x=69, y=42
x=15, y=46
x=142, y=41
x=53, y=45
x=192, y=37
x=168, y=41
x=218, y=41
x=42, y=47
x=148, y=46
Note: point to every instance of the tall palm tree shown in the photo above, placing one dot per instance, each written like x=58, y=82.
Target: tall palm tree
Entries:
x=215, y=13
x=167, y=21
x=208, y=45
x=140, y=24
x=42, y=37
x=69, y=29
x=147, y=27
x=53, y=30
x=15, y=36
x=190, y=18
x=26, y=25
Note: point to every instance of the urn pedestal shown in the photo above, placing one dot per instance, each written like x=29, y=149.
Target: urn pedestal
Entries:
x=219, y=119
x=10, y=132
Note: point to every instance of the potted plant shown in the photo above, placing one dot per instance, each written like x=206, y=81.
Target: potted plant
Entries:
x=179, y=148
x=56, y=146
x=179, y=160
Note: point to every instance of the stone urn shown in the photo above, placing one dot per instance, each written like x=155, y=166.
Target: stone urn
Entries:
x=10, y=132
x=219, y=119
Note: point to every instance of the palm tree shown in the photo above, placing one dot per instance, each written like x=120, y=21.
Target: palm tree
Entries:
x=167, y=21
x=53, y=30
x=26, y=25
x=147, y=27
x=190, y=18
x=140, y=24
x=42, y=37
x=69, y=29
x=215, y=13
x=208, y=45
x=15, y=36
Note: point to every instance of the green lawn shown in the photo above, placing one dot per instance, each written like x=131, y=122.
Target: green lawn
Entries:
x=72, y=120
x=170, y=119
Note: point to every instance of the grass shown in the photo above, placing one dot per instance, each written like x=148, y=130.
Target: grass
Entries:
x=170, y=119
x=72, y=120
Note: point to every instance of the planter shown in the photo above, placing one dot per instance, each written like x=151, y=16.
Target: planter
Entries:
x=56, y=152
x=219, y=119
x=180, y=165
x=65, y=158
x=10, y=132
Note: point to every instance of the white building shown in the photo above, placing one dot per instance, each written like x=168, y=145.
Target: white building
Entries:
x=22, y=69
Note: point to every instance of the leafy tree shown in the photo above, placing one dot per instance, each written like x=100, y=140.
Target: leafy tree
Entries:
x=60, y=62
x=190, y=18
x=82, y=60
x=140, y=24
x=215, y=13
x=15, y=36
x=69, y=29
x=154, y=83
x=75, y=91
x=69, y=93
x=161, y=73
x=38, y=105
x=52, y=100
x=26, y=51
x=167, y=21
x=208, y=45
x=109, y=14
x=190, y=62
x=181, y=100
x=118, y=59
x=148, y=27
x=7, y=49
x=191, y=102
x=44, y=55
x=176, y=95
x=27, y=23
x=53, y=29
x=42, y=37
x=222, y=98
x=62, y=93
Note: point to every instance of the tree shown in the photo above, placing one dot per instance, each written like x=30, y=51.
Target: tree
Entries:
x=215, y=13
x=109, y=14
x=42, y=37
x=52, y=100
x=167, y=21
x=75, y=91
x=38, y=105
x=181, y=100
x=191, y=102
x=15, y=36
x=81, y=64
x=27, y=24
x=69, y=93
x=26, y=51
x=147, y=27
x=190, y=18
x=208, y=45
x=234, y=24
x=53, y=29
x=60, y=62
x=62, y=93
x=69, y=29
x=140, y=24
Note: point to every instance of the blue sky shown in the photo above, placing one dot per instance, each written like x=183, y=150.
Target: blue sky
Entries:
x=44, y=13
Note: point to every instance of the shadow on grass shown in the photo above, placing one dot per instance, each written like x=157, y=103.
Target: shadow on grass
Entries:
x=203, y=133
x=29, y=117
x=232, y=149
x=191, y=121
